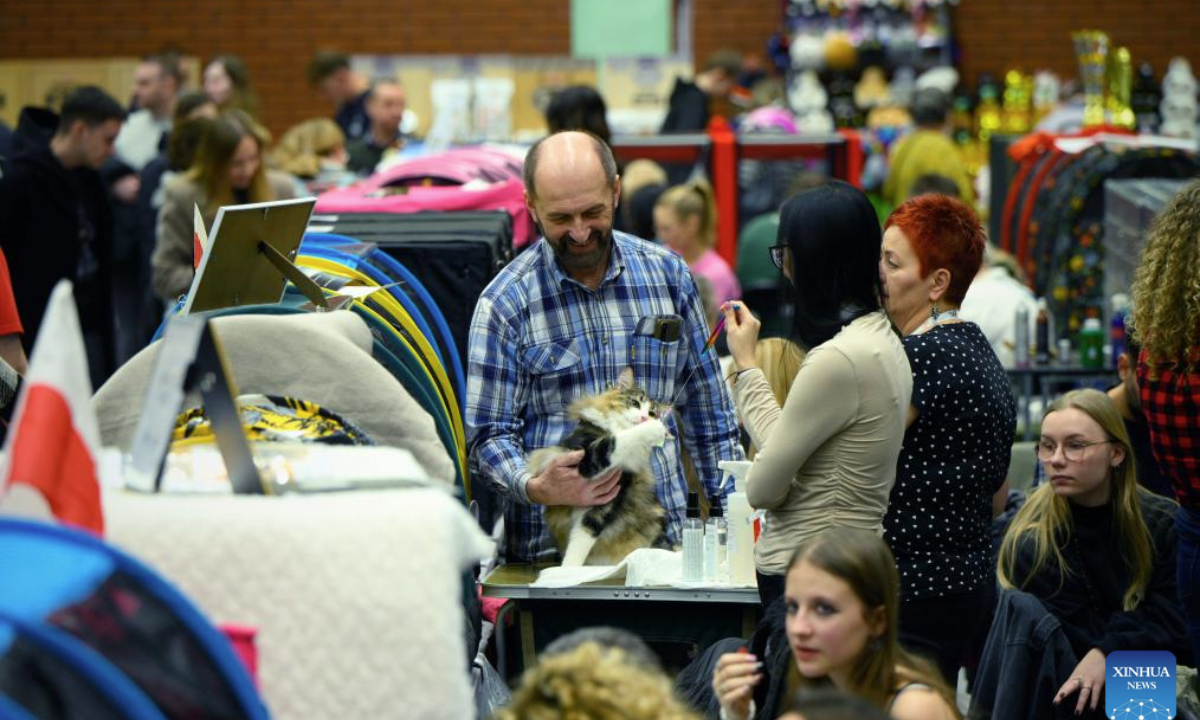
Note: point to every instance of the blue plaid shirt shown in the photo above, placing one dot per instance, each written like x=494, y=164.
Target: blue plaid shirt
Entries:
x=539, y=340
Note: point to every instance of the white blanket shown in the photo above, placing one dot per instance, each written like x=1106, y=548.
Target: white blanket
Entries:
x=647, y=567
x=356, y=595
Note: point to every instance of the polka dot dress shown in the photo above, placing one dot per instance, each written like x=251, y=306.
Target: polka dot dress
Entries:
x=955, y=456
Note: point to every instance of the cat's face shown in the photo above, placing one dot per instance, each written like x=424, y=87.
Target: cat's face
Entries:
x=619, y=407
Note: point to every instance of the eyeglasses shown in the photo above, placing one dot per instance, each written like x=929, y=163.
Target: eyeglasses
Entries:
x=777, y=255
x=1073, y=450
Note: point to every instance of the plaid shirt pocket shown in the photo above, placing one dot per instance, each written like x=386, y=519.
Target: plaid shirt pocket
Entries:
x=557, y=373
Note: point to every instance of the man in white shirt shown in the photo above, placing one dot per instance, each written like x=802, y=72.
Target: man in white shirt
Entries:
x=156, y=83
x=992, y=301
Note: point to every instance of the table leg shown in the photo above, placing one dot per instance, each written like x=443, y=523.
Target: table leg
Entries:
x=528, y=649
x=749, y=620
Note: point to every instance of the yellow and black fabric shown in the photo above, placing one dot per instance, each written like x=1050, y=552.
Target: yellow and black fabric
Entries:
x=271, y=418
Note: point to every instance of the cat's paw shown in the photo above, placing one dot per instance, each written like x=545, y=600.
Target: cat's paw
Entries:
x=654, y=432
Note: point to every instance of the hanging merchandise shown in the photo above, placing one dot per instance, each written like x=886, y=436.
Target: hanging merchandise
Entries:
x=904, y=84
x=1053, y=218
x=1178, y=108
x=1120, y=86
x=961, y=120
x=856, y=47
x=1145, y=98
x=1018, y=91
x=987, y=112
x=841, y=102
x=1091, y=50
x=807, y=51
x=808, y=100
x=872, y=90
x=840, y=51
x=1046, y=89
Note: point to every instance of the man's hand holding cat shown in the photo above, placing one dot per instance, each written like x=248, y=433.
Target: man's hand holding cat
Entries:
x=561, y=484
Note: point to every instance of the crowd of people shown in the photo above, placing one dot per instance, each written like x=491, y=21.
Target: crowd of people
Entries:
x=881, y=427
x=880, y=459
x=112, y=187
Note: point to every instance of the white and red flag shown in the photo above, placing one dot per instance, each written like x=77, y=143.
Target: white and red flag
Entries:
x=54, y=438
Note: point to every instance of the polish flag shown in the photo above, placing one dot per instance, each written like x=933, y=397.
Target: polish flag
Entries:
x=53, y=441
x=199, y=237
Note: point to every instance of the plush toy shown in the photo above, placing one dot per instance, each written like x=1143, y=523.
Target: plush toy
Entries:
x=808, y=100
x=944, y=78
x=1178, y=108
x=889, y=116
x=872, y=90
x=840, y=53
x=904, y=83
x=807, y=51
x=1046, y=89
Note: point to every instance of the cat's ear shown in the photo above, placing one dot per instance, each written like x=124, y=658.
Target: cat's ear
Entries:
x=625, y=381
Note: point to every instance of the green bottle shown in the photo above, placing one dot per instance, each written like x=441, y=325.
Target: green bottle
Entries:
x=1091, y=344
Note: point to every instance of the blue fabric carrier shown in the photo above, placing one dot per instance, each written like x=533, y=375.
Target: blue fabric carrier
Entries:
x=75, y=587
x=411, y=287
x=45, y=672
x=366, y=268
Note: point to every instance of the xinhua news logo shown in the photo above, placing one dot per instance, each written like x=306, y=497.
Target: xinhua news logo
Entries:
x=1140, y=685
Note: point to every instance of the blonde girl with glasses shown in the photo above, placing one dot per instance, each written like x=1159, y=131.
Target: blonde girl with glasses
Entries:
x=1095, y=548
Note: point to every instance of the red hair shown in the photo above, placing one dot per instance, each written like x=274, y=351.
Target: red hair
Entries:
x=944, y=232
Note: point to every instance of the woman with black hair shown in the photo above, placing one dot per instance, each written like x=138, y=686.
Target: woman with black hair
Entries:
x=827, y=458
x=578, y=107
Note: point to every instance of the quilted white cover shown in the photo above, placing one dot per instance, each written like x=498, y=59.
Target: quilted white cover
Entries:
x=356, y=595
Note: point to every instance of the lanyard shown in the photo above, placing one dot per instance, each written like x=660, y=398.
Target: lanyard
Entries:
x=934, y=321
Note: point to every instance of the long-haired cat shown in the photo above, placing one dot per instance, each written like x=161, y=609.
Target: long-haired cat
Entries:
x=618, y=428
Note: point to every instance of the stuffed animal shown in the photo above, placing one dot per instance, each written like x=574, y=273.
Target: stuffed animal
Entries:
x=1178, y=108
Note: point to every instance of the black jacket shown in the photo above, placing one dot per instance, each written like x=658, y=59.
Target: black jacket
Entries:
x=769, y=643
x=687, y=111
x=1088, y=599
x=56, y=223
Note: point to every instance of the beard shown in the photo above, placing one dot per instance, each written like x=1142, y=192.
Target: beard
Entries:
x=572, y=257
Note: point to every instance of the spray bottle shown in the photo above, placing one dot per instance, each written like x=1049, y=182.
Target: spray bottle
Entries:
x=739, y=518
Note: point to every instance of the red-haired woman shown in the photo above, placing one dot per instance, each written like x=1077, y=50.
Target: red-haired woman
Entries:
x=960, y=430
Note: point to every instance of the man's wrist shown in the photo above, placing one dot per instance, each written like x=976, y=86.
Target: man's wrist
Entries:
x=529, y=489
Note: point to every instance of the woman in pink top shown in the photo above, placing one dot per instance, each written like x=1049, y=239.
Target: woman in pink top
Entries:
x=685, y=219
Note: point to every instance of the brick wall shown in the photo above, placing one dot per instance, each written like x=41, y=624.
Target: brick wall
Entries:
x=276, y=37
x=1035, y=34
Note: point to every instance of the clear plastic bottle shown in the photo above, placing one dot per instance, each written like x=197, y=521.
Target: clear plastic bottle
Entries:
x=1042, y=334
x=716, y=544
x=693, y=542
x=1116, y=331
x=1021, y=328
